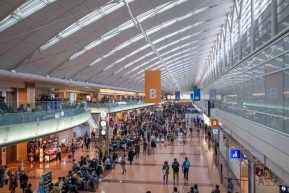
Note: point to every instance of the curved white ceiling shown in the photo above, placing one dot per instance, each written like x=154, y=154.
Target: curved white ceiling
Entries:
x=110, y=42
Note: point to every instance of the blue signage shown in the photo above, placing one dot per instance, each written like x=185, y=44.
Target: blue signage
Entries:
x=243, y=156
x=235, y=153
x=178, y=95
x=197, y=94
x=192, y=96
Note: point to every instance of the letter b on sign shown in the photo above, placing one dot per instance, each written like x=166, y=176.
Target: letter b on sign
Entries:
x=153, y=93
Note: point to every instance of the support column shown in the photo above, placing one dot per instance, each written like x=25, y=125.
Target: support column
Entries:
x=273, y=18
x=252, y=25
x=251, y=177
x=22, y=151
x=26, y=95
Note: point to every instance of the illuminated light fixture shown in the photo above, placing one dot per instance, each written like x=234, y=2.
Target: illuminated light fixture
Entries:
x=22, y=12
x=258, y=94
x=84, y=21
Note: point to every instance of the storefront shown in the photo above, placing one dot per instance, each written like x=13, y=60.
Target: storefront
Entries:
x=246, y=168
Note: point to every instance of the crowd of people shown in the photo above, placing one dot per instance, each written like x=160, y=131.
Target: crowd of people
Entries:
x=145, y=130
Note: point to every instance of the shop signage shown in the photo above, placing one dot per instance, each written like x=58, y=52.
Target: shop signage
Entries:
x=284, y=189
x=152, y=86
x=103, y=114
x=197, y=94
x=243, y=156
x=234, y=153
x=178, y=95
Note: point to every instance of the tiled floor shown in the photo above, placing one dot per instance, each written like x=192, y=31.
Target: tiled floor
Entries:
x=146, y=172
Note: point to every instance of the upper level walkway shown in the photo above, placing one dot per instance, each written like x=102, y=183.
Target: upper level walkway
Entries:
x=53, y=116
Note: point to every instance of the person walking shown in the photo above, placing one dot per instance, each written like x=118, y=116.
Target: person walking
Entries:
x=137, y=150
x=165, y=171
x=12, y=183
x=23, y=181
x=176, y=168
x=145, y=146
x=28, y=189
x=186, y=166
x=130, y=155
x=196, y=190
x=123, y=165
x=2, y=171
x=216, y=190
x=230, y=187
x=175, y=190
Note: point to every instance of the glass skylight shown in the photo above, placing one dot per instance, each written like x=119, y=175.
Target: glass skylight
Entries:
x=86, y=20
x=130, y=23
x=22, y=12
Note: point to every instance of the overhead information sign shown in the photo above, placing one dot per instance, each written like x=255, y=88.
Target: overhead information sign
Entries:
x=152, y=86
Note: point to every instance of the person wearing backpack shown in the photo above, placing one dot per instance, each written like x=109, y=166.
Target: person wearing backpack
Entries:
x=175, y=167
x=186, y=166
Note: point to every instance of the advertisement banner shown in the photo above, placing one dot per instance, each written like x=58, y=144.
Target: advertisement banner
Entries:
x=152, y=86
x=197, y=94
x=178, y=95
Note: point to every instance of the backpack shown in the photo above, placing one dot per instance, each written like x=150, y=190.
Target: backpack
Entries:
x=175, y=166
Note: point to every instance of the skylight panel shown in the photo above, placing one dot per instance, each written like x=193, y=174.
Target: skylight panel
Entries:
x=22, y=12
x=86, y=20
x=108, y=67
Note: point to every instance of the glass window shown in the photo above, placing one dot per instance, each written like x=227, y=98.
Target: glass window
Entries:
x=274, y=94
x=274, y=65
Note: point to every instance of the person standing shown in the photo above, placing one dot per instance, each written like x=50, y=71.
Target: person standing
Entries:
x=123, y=165
x=230, y=187
x=21, y=166
x=216, y=190
x=165, y=171
x=23, y=181
x=73, y=149
x=6, y=174
x=2, y=171
x=175, y=167
x=130, y=156
x=186, y=166
x=58, y=153
x=12, y=183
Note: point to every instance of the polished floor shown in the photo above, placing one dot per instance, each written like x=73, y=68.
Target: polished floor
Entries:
x=146, y=172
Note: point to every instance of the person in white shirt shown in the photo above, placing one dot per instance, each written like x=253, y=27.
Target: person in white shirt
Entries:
x=58, y=153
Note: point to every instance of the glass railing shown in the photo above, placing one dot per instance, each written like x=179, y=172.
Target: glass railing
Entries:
x=35, y=116
x=115, y=104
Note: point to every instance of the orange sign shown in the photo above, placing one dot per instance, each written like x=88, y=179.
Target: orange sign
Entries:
x=214, y=123
x=153, y=86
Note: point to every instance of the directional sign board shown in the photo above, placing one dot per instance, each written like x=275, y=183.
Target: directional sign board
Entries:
x=235, y=153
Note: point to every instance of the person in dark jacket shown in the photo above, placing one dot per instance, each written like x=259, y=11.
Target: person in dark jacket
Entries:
x=28, y=189
x=23, y=181
x=130, y=156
